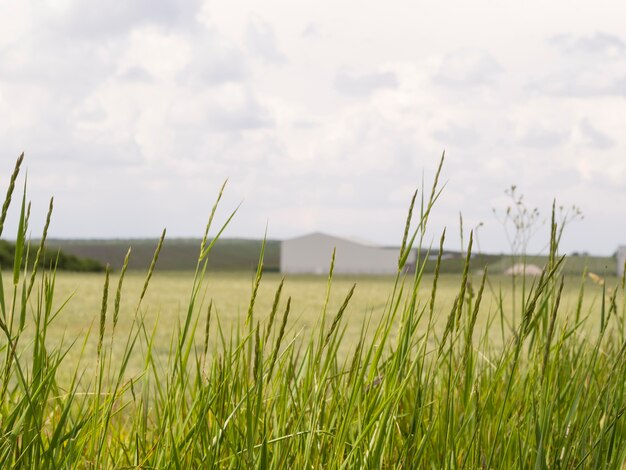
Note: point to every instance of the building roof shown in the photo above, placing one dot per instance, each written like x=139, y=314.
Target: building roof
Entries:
x=356, y=240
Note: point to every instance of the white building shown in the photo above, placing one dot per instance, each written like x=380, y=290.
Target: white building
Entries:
x=311, y=254
x=621, y=258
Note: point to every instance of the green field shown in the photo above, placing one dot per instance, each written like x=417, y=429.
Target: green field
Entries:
x=168, y=295
x=151, y=364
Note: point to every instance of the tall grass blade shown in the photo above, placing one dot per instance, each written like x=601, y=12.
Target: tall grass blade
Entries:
x=10, y=189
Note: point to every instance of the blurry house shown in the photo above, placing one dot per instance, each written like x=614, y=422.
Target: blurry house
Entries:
x=311, y=254
x=621, y=259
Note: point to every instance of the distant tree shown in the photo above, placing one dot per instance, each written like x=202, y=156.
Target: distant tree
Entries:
x=57, y=258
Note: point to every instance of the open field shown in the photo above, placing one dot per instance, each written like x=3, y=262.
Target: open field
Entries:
x=127, y=390
x=168, y=295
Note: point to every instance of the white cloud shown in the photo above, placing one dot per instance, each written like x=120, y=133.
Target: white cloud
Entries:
x=364, y=84
x=468, y=68
x=539, y=137
x=458, y=136
x=595, y=45
x=261, y=41
x=593, y=137
x=161, y=55
x=586, y=67
x=582, y=83
x=311, y=30
x=95, y=20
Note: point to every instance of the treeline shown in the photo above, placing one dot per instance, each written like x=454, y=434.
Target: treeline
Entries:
x=177, y=254
x=53, y=257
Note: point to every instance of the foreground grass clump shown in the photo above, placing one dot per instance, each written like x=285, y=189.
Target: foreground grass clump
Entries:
x=262, y=395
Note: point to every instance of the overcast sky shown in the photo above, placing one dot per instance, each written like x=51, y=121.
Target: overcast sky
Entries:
x=323, y=115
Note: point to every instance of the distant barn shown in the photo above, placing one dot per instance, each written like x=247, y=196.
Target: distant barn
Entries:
x=311, y=254
x=524, y=269
x=621, y=258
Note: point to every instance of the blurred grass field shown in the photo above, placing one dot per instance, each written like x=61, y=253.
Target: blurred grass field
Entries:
x=169, y=291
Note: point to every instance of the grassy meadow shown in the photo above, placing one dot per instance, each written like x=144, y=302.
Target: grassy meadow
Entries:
x=202, y=369
x=80, y=296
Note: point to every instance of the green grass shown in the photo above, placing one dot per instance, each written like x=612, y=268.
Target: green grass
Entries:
x=230, y=291
x=434, y=372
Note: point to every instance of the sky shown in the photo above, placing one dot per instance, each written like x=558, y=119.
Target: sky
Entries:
x=323, y=116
